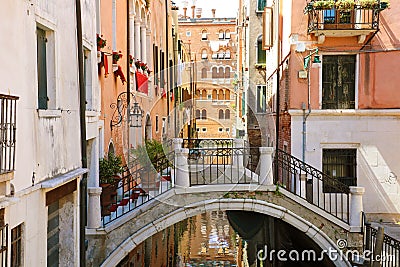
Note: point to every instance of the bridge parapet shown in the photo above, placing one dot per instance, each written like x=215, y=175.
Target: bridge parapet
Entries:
x=113, y=242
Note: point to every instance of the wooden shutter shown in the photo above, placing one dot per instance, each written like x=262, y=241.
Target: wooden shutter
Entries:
x=41, y=68
x=338, y=82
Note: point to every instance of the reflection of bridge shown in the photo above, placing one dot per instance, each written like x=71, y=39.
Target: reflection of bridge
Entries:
x=197, y=176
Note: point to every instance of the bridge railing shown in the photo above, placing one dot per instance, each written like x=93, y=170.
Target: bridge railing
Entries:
x=222, y=165
x=207, y=143
x=138, y=185
x=390, y=250
x=312, y=185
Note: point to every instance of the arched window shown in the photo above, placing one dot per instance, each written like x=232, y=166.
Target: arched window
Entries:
x=204, y=54
x=221, y=72
x=261, y=55
x=227, y=114
x=204, y=73
x=228, y=54
x=204, y=114
x=197, y=93
x=214, y=94
x=221, y=54
x=227, y=34
x=227, y=73
x=221, y=114
x=204, y=94
x=214, y=73
x=204, y=35
x=227, y=95
x=221, y=94
x=221, y=35
x=197, y=114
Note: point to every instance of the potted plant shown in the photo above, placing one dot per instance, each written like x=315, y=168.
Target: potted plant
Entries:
x=345, y=4
x=368, y=4
x=116, y=56
x=109, y=169
x=101, y=43
x=324, y=4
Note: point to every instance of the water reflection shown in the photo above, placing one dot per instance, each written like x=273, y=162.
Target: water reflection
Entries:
x=220, y=238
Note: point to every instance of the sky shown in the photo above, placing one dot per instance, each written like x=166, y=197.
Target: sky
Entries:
x=225, y=8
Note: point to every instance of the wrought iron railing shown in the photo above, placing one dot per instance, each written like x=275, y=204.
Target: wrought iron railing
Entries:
x=356, y=18
x=222, y=165
x=3, y=245
x=8, y=108
x=138, y=185
x=312, y=185
x=390, y=256
x=207, y=143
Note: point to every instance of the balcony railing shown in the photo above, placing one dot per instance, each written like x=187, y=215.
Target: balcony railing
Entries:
x=357, y=19
x=8, y=107
x=3, y=245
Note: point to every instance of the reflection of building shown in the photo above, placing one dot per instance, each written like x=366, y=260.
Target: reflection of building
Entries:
x=213, y=48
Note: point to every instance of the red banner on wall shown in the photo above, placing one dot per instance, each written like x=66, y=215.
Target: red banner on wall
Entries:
x=142, y=83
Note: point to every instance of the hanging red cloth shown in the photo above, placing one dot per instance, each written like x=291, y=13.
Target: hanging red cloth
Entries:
x=142, y=83
x=105, y=64
x=121, y=75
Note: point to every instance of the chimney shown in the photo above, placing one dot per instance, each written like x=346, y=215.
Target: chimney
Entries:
x=198, y=12
x=213, y=12
x=184, y=12
x=193, y=8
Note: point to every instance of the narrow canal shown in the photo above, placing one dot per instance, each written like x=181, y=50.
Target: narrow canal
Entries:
x=232, y=238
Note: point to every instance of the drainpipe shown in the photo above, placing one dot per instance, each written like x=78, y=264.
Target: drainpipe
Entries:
x=305, y=116
x=165, y=71
x=82, y=109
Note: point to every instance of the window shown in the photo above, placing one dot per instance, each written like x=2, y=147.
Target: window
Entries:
x=261, y=98
x=88, y=78
x=204, y=73
x=53, y=234
x=221, y=94
x=204, y=114
x=214, y=73
x=204, y=54
x=203, y=94
x=338, y=82
x=227, y=114
x=16, y=246
x=261, y=54
x=227, y=95
x=221, y=72
x=221, y=54
x=228, y=34
x=220, y=129
x=204, y=35
x=221, y=35
x=228, y=130
x=188, y=33
x=164, y=128
x=214, y=56
x=214, y=94
x=340, y=164
x=228, y=54
x=156, y=123
x=197, y=129
x=204, y=129
x=227, y=73
x=198, y=115
x=221, y=114
x=260, y=5
x=45, y=69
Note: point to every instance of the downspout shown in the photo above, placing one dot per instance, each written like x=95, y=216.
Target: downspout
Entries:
x=305, y=116
x=82, y=109
x=128, y=80
x=166, y=76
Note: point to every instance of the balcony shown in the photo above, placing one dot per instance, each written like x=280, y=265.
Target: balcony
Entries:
x=332, y=19
x=8, y=106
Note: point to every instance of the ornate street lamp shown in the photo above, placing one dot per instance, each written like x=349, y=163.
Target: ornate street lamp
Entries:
x=135, y=111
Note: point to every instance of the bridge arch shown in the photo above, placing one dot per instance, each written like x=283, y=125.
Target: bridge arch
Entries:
x=254, y=205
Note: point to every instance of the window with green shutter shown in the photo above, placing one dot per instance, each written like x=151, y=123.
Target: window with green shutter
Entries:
x=261, y=4
x=42, y=68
